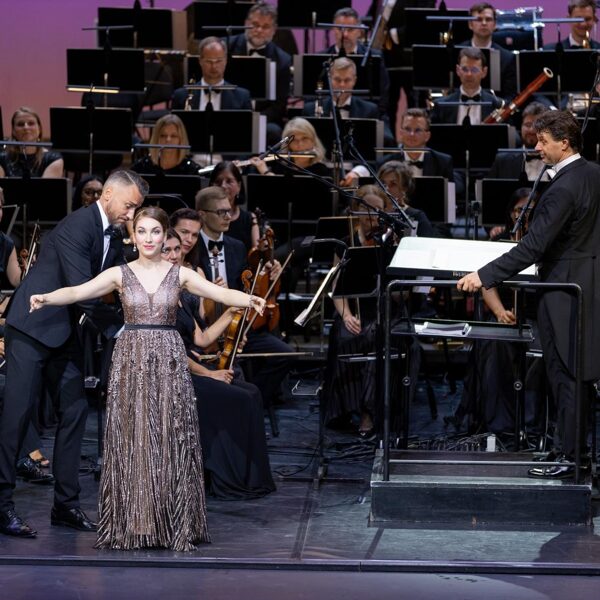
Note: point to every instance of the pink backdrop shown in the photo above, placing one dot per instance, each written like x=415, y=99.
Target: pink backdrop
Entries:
x=36, y=34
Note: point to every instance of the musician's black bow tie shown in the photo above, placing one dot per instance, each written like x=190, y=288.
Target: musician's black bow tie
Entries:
x=112, y=232
x=475, y=98
x=209, y=91
x=416, y=163
x=262, y=51
x=212, y=245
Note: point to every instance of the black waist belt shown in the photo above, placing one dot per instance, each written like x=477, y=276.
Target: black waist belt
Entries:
x=129, y=326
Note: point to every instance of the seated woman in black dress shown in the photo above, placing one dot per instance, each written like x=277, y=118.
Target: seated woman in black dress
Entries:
x=243, y=225
x=19, y=161
x=232, y=431
x=171, y=161
x=398, y=179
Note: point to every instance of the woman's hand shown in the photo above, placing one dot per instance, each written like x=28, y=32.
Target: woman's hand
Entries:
x=260, y=165
x=36, y=302
x=352, y=324
x=224, y=375
x=257, y=303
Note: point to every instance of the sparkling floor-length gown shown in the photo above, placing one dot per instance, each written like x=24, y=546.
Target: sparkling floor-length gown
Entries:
x=152, y=488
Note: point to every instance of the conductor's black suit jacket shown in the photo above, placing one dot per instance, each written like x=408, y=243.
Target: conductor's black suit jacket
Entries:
x=70, y=254
x=564, y=240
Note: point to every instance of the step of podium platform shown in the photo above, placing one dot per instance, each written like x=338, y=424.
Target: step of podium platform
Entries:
x=425, y=493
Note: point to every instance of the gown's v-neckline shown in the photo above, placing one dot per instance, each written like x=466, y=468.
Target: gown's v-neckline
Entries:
x=142, y=285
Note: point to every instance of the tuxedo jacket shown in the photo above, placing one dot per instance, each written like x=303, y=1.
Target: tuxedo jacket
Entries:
x=449, y=114
x=274, y=110
x=435, y=164
x=563, y=239
x=508, y=70
x=235, y=260
x=384, y=78
x=359, y=109
x=70, y=254
x=237, y=99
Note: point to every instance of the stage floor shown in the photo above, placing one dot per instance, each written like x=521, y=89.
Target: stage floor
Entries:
x=302, y=527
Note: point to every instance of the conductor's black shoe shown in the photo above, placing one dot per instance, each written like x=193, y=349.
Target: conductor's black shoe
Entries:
x=558, y=471
x=12, y=524
x=29, y=470
x=71, y=517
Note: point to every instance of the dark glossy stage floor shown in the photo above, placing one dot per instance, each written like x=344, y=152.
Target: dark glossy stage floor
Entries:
x=260, y=546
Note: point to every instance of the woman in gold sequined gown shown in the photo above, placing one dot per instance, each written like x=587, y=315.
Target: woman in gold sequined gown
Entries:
x=152, y=488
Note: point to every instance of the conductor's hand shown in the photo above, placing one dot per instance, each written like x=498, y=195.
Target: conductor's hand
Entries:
x=470, y=282
x=36, y=302
x=352, y=324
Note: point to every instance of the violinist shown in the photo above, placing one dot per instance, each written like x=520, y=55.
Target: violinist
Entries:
x=232, y=431
x=242, y=224
x=223, y=260
x=350, y=387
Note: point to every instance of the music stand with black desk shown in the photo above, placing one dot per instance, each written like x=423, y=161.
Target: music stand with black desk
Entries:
x=308, y=70
x=436, y=197
x=255, y=73
x=96, y=133
x=160, y=28
x=230, y=132
x=179, y=191
x=367, y=133
x=434, y=67
x=419, y=30
x=203, y=18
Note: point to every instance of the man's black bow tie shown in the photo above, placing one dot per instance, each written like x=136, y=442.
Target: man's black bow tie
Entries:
x=112, y=232
x=416, y=163
x=475, y=98
x=262, y=51
x=209, y=91
x=212, y=245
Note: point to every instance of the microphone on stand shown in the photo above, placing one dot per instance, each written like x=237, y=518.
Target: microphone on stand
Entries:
x=278, y=146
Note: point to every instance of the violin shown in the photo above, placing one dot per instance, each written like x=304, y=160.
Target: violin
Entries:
x=261, y=254
x=27, y=257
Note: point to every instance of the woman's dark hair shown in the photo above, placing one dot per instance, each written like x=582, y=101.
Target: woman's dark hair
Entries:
x=77, y=192
x=227, y=165
x=518, y=194
x=172, y=234
x=153, y=212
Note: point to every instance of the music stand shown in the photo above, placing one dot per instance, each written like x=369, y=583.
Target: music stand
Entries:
x=122, y=68
x=482, y=141
x=237, y=132
x=305, y=14
x=434, y=67
x=98, y=131
x=436, y=197
x=156, y=28
x=168, y=202
x=296, y=201
x=418, y=30
x=368, y=133
x=46, y=200
x=204, y=17
x=359, y=278
x=255, y=73
x=338, y=228
x=185, y=187
x=309, y=67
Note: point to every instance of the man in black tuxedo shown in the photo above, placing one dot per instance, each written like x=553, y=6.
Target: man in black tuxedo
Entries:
x=471, y=69
x=223, y=259
x=347, y=41
x=213, y=62
x=579, y=36
x=526, y=165
x=43, y=348
x=258, y=39
x=483, y=28
x=563, y=239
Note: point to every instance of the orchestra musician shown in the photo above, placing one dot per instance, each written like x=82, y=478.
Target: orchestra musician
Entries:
x=580, y=34
x=33, y=161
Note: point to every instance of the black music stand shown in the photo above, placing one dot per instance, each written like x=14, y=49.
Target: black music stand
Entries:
x=296, y=201
x=41, y=199
x=367, y=133
x=418, y=30
x=337, y=228
x=183, y=187
x=95, y=132
x=433, y=196
x=168, y=202
x=155, y=28
x=434, y=67
x=234, y=132
x=121, y=68
x=308, y=69
x=254, y=73
x=204, y=17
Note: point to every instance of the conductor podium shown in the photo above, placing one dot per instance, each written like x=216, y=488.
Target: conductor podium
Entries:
x=466, y=488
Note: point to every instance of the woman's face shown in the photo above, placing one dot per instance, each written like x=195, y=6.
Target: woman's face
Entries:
x=91, y=191
x=302, y=143
x=392, y=183
x=517, y=208
x=149, y=236
x=26, y=127
x=171, y=251
x=369, y=224
x=169, y=134
x=230, y=184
